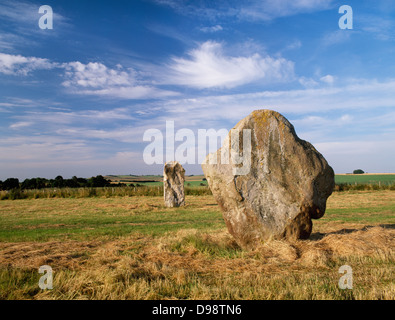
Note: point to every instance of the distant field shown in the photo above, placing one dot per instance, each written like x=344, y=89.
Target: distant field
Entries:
x=187, y=183
x=366, y=178
x=195, y=181
x=155, y=180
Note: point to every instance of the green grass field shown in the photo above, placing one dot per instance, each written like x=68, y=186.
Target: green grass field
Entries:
x=92, y=218
x=197, y=181
x=135, y=248
x=186, y=183
x=385, y=179
x=152, y=180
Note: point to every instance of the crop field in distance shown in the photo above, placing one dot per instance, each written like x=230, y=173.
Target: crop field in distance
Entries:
x=199, y=180
x=155, y=180
x=366, y=178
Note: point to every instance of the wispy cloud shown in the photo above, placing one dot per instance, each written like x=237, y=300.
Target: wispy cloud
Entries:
x=8, y=41
x=209, y=66
x=21, y=124
x=52, y=119
x=350, y=95
x=12, y=102
x=20, y=27
x=263, y=10
x=127, y=134
x=22, y=148
x=378, y=26
x=18, y=11
x=329, y=79
x=336, y=37
x=24, y=16
x=170, y=32
x=296, y=44
x=271, y=9
x=212, y=29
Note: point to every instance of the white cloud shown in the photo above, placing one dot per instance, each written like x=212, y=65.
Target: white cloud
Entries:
x=96, y=75
x=346, y=118
x=312, y=83
x=20, y=65
x=328, y=79
x=209, y=67
x=212, y=29
x=95, y=78
x=20, y=124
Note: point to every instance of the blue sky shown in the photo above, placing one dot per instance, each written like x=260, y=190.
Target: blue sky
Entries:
x=77, y=99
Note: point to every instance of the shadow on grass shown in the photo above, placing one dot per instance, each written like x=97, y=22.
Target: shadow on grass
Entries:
x=319, y=235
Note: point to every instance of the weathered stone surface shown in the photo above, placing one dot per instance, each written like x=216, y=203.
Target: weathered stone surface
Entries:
x=285, y=187
x=173, y=182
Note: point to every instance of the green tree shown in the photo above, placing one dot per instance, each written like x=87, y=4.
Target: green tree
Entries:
x=58, y=182
x=71, y=183
x=27, y=184
x=11, y=183
x=41, y=183
x=358, y=171
x=34, y=183
x=98, y=181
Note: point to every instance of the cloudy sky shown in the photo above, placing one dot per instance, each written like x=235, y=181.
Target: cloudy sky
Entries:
x=76, y=99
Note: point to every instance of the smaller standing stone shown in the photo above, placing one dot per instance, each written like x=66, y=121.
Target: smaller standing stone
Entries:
x=173, y=183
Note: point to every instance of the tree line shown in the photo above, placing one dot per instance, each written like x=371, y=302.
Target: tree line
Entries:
x=58, y=182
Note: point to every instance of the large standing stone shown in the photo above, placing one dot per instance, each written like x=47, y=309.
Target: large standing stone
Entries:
x=286, y=185
x=173, y=181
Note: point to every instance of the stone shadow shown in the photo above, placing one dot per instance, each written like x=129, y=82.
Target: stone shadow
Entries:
x=319, y=235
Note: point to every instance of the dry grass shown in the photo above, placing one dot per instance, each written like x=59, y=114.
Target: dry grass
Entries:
x=194, y=265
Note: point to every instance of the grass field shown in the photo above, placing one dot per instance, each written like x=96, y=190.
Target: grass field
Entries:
x=195, y=181
x=151, y=180
x=135, y=248
x=385, y=179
